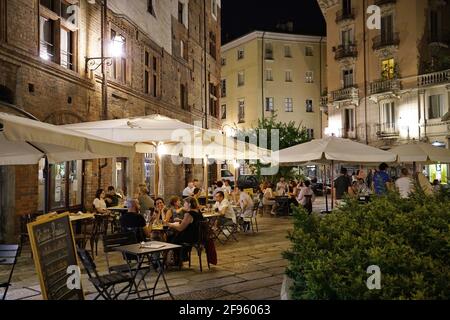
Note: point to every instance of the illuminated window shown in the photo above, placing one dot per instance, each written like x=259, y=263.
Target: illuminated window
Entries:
x=388, y=69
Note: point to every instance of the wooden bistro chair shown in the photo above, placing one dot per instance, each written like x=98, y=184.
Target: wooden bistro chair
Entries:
x=200, y=246
x=105, y=284
x=8, y=257
x=110, y=242
x=253, y=219
x=24, y=237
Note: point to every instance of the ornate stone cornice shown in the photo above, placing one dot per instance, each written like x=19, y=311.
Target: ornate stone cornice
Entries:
x=326, y=4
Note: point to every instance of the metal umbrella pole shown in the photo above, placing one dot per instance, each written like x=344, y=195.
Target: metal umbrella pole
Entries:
x=332, y=184
x=325, y=188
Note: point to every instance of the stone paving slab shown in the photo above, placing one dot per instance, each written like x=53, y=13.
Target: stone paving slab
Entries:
x=253, y=266
x=252, y=285
x=254, y=275
x=260, y=294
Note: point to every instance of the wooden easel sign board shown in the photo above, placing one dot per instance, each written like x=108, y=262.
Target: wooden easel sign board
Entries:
x=55, y=254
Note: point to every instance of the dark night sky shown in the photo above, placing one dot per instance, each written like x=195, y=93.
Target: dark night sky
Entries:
x=240, y=17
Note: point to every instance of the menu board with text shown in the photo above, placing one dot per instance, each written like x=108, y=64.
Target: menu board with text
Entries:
x=54, y=251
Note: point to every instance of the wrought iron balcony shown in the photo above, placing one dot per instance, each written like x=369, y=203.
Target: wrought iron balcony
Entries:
x=324, y=103
x=383, y=41
x=349, y=93
x=435, y=78
x=381, y=3
x=343, y=15
x=387, y=130
x=383, y=86
x=346, y=51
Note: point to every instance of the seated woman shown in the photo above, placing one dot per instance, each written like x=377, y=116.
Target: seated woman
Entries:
x=188, y=229
x=268, y=198
x=196, y=196
x=161, y=216
x=133, y=221
x=176, y=208
x=99, y=203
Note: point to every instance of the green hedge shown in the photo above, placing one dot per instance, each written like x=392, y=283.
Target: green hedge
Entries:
x=408, y=239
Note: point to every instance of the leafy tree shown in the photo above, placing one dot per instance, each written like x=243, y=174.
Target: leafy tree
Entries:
x=290, y=134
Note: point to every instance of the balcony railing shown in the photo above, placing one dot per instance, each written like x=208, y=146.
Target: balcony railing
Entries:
x=382, y=86
x=346, y=51
x=387, y=130
x=346, y=94
x=343, y=15
x=324, y=104
x=435, y=78
x=382, y=41
x=381, y=3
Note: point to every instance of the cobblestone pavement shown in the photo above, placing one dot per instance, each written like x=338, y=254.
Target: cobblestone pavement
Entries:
x=251, y=269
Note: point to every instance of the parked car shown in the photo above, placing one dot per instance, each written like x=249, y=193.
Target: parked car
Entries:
x=248, y=182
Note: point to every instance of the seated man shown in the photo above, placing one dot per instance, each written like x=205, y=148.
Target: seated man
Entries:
x=112, y=199
x=224, y=208
x=133, y=221
x=189, y=190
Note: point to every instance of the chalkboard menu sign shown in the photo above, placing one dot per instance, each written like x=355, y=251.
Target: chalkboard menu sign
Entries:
x=54, y=251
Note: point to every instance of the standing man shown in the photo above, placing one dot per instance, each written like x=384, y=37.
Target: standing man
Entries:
x=381, y=180
x=405, y=184
x=342, y=186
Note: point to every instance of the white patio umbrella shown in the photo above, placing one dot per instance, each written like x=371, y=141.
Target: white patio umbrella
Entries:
x=152, y=133
x=17, y=153
x=331, y=150
x=421, y=153
x=56, y=143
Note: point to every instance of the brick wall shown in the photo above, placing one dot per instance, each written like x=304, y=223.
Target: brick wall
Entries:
x=26, y=189
x=60, y=96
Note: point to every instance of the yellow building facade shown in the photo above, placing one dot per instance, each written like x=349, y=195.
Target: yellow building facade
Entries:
x=265, y=73
x=388, y=84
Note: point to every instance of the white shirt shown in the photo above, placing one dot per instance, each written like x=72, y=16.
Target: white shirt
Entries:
x=282, y=188
x=247, y=204
x=188, y=192
x=226, y=207
x=227, y=190
x=405, y=186
x=305, y=192
x=218, y=190
x=99, y=204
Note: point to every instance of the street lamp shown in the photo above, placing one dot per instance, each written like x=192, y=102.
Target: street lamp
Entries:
x=116, y=50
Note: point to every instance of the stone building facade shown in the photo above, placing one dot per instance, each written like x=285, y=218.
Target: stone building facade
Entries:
x=389, y=86
x=170, y=66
